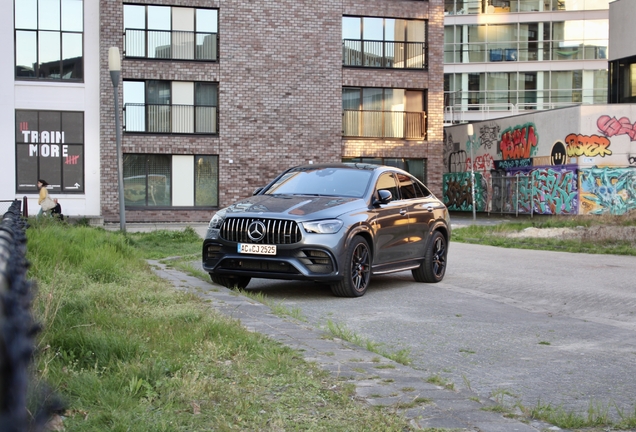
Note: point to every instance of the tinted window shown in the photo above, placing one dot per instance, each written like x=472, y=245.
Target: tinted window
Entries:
x=387, y=182
x=407, y=190
x=421, y=190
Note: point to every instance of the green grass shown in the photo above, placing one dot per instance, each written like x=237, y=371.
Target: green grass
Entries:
x=341, y=331
x=496, y=235
x=128, y=353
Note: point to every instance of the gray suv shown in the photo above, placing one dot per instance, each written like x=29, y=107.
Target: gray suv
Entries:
x=334, y=223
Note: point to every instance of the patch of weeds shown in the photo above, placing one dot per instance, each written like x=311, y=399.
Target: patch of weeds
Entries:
x=474, y=399
x=597, y=415
x=359, y=370
x=385, y=366
x=342, y=332
x=441, y=382
x=330, y=353
x=496, y=408
x=500, y=396
x=408, y=389
x=544, y=343
x=356, y=360
x=466, y=382
x=388, y=380
x=466, y=351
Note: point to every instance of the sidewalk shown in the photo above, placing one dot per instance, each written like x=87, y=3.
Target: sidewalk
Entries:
x=378, y=380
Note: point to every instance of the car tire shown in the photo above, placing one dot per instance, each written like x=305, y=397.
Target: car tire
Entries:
x=239, y=282
x=433, y=267
x=356, y=271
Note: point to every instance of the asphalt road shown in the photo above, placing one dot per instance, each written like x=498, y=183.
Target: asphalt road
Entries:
x=517, y=326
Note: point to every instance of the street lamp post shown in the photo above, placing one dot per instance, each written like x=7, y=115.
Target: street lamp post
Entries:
x=114, y=66
x=472, y=170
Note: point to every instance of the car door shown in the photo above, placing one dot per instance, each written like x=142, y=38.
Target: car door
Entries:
x=422, y=207
x=390, y=223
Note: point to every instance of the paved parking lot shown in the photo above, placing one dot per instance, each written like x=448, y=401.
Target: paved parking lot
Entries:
x=524, y=326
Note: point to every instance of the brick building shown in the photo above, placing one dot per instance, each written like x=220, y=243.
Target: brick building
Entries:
x=217, y=97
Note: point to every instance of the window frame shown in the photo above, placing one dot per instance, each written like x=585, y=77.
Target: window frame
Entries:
x=194, y=105
x=37, y=31
x=146, y=29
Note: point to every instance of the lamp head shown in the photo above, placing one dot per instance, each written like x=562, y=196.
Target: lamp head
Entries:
x=470, y=130
x=114, y=61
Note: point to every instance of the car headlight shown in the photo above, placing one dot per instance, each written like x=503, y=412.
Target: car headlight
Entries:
x=329, y=226
x=217, y=220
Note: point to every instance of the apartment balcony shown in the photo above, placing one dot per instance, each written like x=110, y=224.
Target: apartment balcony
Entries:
x=170, y=119
x=382, y=54
x=171, y=45
x=384, y=124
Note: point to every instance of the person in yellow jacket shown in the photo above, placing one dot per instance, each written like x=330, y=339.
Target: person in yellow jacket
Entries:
x=44, y=194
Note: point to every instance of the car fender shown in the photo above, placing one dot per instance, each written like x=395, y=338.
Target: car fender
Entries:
x=440, y=226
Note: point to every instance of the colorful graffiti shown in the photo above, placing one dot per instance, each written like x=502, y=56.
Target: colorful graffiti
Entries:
x=592, y=146
x=457, y=193
x=549, y=191
x=611, y=126
x=608, y=190
x=489, y=135
x=519, y=142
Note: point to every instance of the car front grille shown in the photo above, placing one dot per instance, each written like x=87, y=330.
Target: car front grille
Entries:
x=277, y=231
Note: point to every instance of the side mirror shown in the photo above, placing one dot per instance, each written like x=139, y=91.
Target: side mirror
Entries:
x=384, y=197
x=257, y=190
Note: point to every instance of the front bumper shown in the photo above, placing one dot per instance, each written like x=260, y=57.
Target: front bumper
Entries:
x=299, y=261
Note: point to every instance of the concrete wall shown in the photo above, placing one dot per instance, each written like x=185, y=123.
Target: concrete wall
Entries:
x=621, y=30
x=577, y=160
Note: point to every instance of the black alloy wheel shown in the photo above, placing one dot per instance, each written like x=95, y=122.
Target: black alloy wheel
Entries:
x=433, y=267
x=357, y=270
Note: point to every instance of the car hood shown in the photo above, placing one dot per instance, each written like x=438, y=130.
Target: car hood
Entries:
x=294, y=206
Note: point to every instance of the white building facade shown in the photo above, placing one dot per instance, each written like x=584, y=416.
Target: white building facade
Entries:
x=49, y=118
x=507, y=57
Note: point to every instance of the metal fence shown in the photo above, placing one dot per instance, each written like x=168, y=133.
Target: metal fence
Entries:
x=508, y=195
x=17, y=331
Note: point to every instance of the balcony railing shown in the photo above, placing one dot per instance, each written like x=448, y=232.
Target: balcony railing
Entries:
x=383, y=54
x=384, y=124
x=186, y=119
x=170, y=45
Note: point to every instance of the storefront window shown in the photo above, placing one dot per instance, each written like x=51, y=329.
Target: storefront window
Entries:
x=50, y=146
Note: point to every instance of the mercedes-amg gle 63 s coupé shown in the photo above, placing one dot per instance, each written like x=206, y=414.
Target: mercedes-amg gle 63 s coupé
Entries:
x=337, y=224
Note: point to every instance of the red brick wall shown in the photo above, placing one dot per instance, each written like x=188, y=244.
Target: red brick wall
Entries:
x=280, y=81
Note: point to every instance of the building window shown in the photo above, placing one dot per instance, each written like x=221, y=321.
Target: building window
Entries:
x=384, y=43
x=171, y=107
x=49, y=40
x=415, y=167
x=383, y=113
x=175, y=33
x=50, y=146
x=531, y=41
x=149, y=180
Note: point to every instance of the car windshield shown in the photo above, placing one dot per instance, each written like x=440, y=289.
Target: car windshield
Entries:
x=327, y=181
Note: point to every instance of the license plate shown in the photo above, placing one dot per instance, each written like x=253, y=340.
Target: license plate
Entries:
x=258, y=249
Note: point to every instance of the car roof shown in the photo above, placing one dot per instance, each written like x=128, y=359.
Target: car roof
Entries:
x=345, y=165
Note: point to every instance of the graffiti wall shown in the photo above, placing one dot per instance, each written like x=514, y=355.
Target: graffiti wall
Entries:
x=575, y=160
x=608, y=190
x=457, y=192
